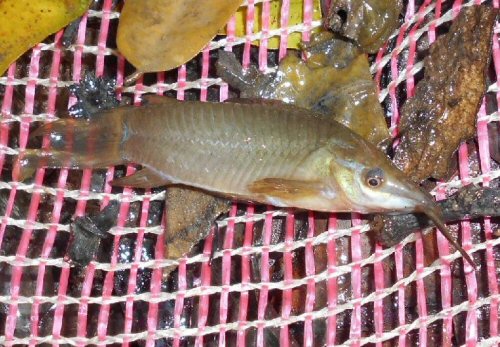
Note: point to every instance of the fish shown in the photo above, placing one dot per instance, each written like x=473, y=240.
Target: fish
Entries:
x=266, y=152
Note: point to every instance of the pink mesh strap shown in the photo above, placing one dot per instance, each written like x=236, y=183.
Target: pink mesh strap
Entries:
x=236, y=319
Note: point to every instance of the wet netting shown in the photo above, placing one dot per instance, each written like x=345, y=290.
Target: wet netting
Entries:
x=275, y=278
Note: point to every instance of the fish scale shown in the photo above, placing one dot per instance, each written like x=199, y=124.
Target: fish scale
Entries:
x=214, y=145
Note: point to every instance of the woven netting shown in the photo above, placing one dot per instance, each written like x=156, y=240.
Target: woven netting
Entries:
x=275, y=277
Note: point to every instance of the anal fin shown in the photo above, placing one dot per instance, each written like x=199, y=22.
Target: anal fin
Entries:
x=145, y=178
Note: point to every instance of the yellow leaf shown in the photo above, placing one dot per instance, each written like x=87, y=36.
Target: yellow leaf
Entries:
x=24, y=23
x=296, y=17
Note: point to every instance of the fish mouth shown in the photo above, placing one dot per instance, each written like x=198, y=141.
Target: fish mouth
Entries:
x=410, y=197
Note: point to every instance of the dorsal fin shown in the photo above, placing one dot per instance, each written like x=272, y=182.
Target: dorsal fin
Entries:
x=145, y=178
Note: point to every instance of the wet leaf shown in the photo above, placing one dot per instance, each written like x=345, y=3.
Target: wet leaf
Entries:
x=25, y=23
x=367, y=22
x=160, y=35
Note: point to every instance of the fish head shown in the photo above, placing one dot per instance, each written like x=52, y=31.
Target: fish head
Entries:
x=374, y=185
x=371, y=183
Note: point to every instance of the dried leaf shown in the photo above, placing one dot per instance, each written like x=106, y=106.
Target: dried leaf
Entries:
x=160, y=35
x=190, y=216
x=443, y=111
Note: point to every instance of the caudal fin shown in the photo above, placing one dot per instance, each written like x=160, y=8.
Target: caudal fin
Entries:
x=75, y=144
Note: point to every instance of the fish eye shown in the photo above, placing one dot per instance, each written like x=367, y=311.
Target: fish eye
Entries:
x=374, y=177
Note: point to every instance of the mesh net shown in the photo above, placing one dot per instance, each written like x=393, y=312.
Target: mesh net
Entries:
x=275, y=277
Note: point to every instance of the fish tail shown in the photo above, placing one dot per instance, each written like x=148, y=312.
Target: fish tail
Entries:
x=75, y=144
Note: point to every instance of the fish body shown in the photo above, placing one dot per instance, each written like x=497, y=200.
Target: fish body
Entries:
x=270, y=153
x=233, y=148
x=267, y=152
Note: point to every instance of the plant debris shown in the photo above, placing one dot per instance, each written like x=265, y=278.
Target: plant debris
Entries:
x=367, y=22
x=443, y=111
x=494, y=140
x=190, y=216
x=87, y=233
x=94, y=94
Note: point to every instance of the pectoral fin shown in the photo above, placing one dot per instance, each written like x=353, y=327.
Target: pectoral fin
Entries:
x=285, y=190
x=145, y=178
